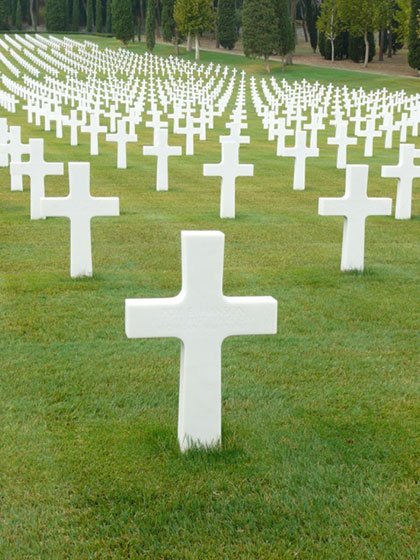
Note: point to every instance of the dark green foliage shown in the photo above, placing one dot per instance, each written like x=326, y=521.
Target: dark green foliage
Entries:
x=89, y=23
x=13, y=12
x=226, y=23
x=260, y=28
x=108, y=17
x=75, y=16
x=55, y=15
x=341, y=46
x=168, y=21
x=151, y=25
x=357, y=48
x=312, y=12
x=122, y=20
x=4, y=14
x=18, y=15
x=286, y=39
x=413, y=36
x=99, y=17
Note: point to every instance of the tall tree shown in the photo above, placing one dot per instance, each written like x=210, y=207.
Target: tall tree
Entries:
x=89, y=15
x=330, y=24
x=260, y=29
x=226, y=23
x=194, y=17
x=312, y=13
x=13, y=12
x=122, y=20
x=151, y=25
x=168, y=21
x=4, y=14
x=18, y=14
x=413, y=36
x=99, y=16
x=55, y=15
x=75, y=16
x=361, y=18
x=286, y=39
x=108, y=20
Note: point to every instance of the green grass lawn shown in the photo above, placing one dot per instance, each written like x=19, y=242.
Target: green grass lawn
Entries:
x=321, y=423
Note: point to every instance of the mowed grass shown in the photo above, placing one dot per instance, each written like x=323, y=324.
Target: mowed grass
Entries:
x=321, y=444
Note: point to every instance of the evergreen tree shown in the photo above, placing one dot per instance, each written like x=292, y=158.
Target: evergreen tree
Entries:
x=311, y=19
x=75, y=16
x=13, y=12
x=108, y=21
x=285, y=34
x=413, y=36
x=168, y=21
x=194, y=17
x=4, y=14
x=99, y=18
x=340, y=44
x=122, y=20
x=151, y=25
x=89, y=23
x=357, y=48
x=18, y=14
x=55, y=15
x=330, y=27
x=260, y=29
x=226, y=23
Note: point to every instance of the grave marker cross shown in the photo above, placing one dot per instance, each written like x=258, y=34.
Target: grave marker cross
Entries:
x=202, y=317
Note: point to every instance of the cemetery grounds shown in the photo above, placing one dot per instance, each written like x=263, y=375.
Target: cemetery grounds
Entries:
x=321, y=441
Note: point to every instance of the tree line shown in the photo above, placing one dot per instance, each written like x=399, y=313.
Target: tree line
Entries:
x=338, y=28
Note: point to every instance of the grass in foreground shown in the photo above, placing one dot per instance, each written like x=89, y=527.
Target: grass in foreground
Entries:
x=321, y=443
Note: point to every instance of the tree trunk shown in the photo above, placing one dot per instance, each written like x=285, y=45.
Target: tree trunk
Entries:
x=366, y=49
x=305, y=30
x=189, y=42
x=158, y=20
x=390, y=40
x=31, y=12
x=267, y=64
x=332, y=51
x=283, y=63
x=289, y=59
x=197, y=47
x=141, y=18
x=381, y=43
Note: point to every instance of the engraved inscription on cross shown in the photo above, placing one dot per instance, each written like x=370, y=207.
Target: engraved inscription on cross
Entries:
x=202, y=317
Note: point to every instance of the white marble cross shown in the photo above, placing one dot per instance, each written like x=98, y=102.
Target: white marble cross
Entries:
x=405, y=172
x=73, y=122
x=369, y=133
x=4, y=139
x=355, y=206
x=190, y=131
x=300, y=152
x=121, y=138
x=94, y=129
x=229, y=169
x=202, y=317
x=235, y=133
x=282, y=132
x=16, y=150
x=162, y=150
x=80, y=207
x=342, y=140
x=37, y=169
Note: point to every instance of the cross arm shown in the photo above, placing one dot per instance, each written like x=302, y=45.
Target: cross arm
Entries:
x=251, y=315
x=154, y=318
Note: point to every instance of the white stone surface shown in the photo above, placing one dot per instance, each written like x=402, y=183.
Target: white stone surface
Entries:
x=228, y=169
x=355, y=206
x=202, y=317
x=80, y=207
x=162, y=150
x=405, y=172
x=37, y=169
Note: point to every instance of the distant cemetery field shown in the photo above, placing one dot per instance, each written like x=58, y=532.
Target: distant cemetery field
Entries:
x=320, y=455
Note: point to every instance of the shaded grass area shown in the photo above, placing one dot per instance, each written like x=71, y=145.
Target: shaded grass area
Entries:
x=321, y=444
